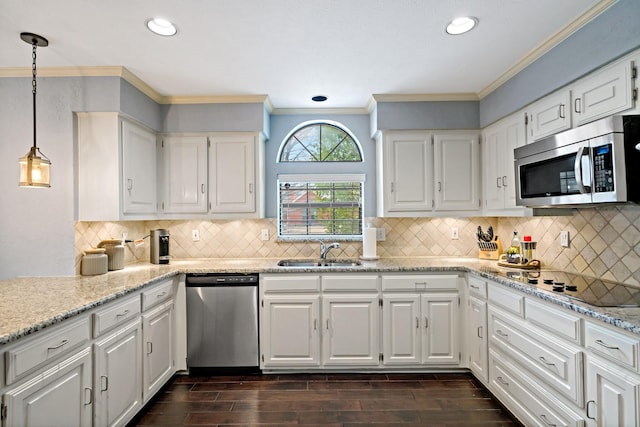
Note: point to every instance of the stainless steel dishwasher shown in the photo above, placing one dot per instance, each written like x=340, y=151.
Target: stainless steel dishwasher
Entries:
x=222, y=321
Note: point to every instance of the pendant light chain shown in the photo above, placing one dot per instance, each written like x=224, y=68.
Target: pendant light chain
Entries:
x=34, y=86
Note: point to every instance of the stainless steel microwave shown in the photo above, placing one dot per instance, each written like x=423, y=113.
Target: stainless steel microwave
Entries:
x=595, y=163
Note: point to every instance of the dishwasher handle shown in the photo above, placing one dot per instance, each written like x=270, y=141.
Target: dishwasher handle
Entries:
x=213, y=280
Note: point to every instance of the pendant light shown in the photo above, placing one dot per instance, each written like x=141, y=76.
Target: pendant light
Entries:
x=34, y=166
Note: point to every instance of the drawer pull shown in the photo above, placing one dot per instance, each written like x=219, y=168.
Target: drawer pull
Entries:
x=502, y=334
x=475, y=287
x=544, y=419
x=603, y=344
x=543, y=360
x=502, y=381
x=588, y=406
x=62, y=343
x=161, y=294
x=124, y=313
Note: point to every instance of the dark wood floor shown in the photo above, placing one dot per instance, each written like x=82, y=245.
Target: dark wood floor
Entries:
x=328, y=400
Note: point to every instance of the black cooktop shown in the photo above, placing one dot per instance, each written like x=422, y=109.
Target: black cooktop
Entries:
x=591, y=290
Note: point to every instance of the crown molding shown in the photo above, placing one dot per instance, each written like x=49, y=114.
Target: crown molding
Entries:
x=546, y=46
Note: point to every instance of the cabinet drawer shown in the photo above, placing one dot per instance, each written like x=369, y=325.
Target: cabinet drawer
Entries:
x=47, y=347
x=418, y=283
x=157, y=294
x=554, y=363
x=613, y=345
x=477, y=287
x=289, y=283
x=115, y=314
x=557, y=321
x=350, y=283
x=525, y=399
x=506, y=299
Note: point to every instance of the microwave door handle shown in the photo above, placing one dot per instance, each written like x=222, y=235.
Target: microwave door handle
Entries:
x=577, y=168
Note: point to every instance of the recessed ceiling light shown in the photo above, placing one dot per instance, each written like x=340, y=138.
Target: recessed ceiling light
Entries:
x=461, y=25
x=162, y=27
x=319, y=98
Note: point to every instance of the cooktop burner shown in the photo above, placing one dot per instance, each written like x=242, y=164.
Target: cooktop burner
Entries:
x=597, y=292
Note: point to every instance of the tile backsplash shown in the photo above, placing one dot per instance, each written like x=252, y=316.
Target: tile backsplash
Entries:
x=605, y=242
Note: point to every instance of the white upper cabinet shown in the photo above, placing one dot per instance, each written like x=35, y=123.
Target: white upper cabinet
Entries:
x=603, y=93
x=499, y=183
x=234, y=167
x=116, y=168
x=185, y=174
x=405, y=182
x=550, y=115
x=457, y=171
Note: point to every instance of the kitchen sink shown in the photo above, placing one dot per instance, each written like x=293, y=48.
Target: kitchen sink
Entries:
x=319, y=263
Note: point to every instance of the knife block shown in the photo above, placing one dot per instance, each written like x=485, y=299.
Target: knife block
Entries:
x=490, y=250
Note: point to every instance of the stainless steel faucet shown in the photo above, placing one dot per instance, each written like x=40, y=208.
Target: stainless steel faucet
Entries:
x=324, y=249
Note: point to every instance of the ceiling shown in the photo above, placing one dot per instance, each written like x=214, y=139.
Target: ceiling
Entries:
x=291, y=50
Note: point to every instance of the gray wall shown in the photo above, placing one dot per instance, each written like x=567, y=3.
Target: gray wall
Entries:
x=609, y=36
x=427, y=115
x=213, y=117
x=358, y=125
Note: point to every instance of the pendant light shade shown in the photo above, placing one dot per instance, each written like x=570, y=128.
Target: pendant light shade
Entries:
x=34, y=166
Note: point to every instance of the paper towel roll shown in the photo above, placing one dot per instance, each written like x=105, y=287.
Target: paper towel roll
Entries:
x=369, y=243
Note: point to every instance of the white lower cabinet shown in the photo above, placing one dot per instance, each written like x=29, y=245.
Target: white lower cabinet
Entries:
x=118, y=376
x=420, y=320
x=612, y=394
x=61, y=395
x=157, y=335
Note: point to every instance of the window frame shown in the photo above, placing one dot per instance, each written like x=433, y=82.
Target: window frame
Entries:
x=320, y=178
x=319, y=122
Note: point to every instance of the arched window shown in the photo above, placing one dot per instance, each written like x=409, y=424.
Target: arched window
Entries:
x=320, y=142
x=318, y=204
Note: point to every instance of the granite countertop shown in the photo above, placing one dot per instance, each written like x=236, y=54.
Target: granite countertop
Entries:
x=28, y=304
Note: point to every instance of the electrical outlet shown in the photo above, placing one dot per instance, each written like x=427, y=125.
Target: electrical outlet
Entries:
x=195, y=235
x=265, y=234
x=454, y=233
x=564, y=239
x=381, y=234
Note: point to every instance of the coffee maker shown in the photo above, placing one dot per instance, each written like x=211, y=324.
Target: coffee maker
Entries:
x=159, y=246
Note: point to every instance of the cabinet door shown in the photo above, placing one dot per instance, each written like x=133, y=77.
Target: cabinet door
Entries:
x=158, y=365
x=477, y=338
x=185, y=174
x=401, y=331
x=60, y=396
x=611, y=395
x=515, y=137
x=138, y=169
x=457, y=173
x=549, y=116
x=440, y=337
x=408, y=178
x=350, y=330
x=118, y=376
x=233, y=187
x=603, y=93
x=289, y=330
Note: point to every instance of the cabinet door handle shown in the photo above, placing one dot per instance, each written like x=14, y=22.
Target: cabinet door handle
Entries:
x=124, y=313
x=543, y=360
x=62, y=343
x=544, y=419
x=561, y=111
x=502, y=381
x=608, y=347
x=426, y=322
x=202, y=189
x=498, y=180
x=250, y=188
x=588, y=406
x=439, y=186
x=315, y=324
x=88, y=393
x=129, y=184
x=104, y=383
x=577, y=102
x=504, y=181
x=417, y=323
x=392, y=188
x=479, y=331
x=327, y=324
x=149, y=347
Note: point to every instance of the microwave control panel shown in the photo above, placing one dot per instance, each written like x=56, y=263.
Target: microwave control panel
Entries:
x=603, y=168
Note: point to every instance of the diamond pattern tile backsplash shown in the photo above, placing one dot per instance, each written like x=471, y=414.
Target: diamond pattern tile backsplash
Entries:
x=605, y=242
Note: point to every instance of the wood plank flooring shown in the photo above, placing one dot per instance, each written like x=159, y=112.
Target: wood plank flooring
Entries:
x=440, y=400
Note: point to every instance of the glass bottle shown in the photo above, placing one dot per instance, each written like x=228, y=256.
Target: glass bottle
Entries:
x=513, y=253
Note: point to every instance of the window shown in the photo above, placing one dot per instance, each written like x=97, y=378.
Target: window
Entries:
x=320, y=142
x=320, y=206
